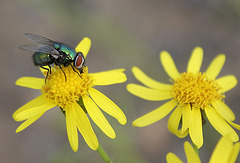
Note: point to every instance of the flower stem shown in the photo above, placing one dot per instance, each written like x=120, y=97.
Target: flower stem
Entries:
x=104, y=155
x=195, y=148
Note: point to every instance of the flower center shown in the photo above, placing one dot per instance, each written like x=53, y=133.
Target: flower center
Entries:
x=66, y=91
x=196, y=89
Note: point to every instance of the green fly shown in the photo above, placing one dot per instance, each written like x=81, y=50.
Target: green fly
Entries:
x=47, y=52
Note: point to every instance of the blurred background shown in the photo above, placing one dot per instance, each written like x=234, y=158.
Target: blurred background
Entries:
x=124, y=34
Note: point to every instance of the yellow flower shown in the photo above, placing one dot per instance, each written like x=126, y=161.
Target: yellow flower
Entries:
x=191, y=93
x=76, y=97
x=224, y=152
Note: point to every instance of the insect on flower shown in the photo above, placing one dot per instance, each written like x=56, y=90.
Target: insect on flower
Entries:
x=47, y=52
x=76, y=97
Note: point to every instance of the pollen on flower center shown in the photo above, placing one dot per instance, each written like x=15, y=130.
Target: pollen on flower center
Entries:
x=65, y=92
x=196, y=89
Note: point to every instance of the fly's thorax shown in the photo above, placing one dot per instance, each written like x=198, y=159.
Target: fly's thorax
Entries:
x=69, y=52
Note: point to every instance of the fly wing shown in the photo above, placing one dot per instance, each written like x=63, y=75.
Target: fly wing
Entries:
x=38, y=39
x=48, y=49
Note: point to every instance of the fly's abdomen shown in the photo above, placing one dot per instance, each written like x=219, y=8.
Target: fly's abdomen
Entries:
x=42, y=59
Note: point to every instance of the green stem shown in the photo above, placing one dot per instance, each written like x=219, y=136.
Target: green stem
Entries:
x=104, y=155
x=195, y=148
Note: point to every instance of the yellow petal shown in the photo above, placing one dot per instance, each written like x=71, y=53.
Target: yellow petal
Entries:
x=85, y=127
x=97, y=117
x=143, y=78
x=107, y=105
x=222, y=151
x=234, y=154
x=148, y=93
x=215, y=67
x=172, y=158
x=39, y=101
x=195, y=61
x=34, y=111
x=155, y=115
x=191, y=155
x=186, y=117
x=30, y=82
x=173, y=123
x=169, y=65
x=227, y=83
x=28, y=122
x=220, y=124
x=71, y=128
x=84, y=46
x=233, y=124
x=195, y=128
x=223, y=110
x=109, y=77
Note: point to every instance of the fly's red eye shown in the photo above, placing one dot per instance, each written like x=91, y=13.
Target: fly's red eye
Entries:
x=79, y=61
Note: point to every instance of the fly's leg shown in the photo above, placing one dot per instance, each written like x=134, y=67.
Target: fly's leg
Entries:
x=63, y=72
x=75, y=71
x=48, y=70
x=58, y=64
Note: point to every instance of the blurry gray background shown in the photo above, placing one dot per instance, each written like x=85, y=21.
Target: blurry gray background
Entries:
x=124, y=34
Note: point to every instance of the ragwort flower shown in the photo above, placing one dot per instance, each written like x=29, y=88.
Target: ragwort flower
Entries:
x=76, y=97
x=225, y=152
x=191, y=93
